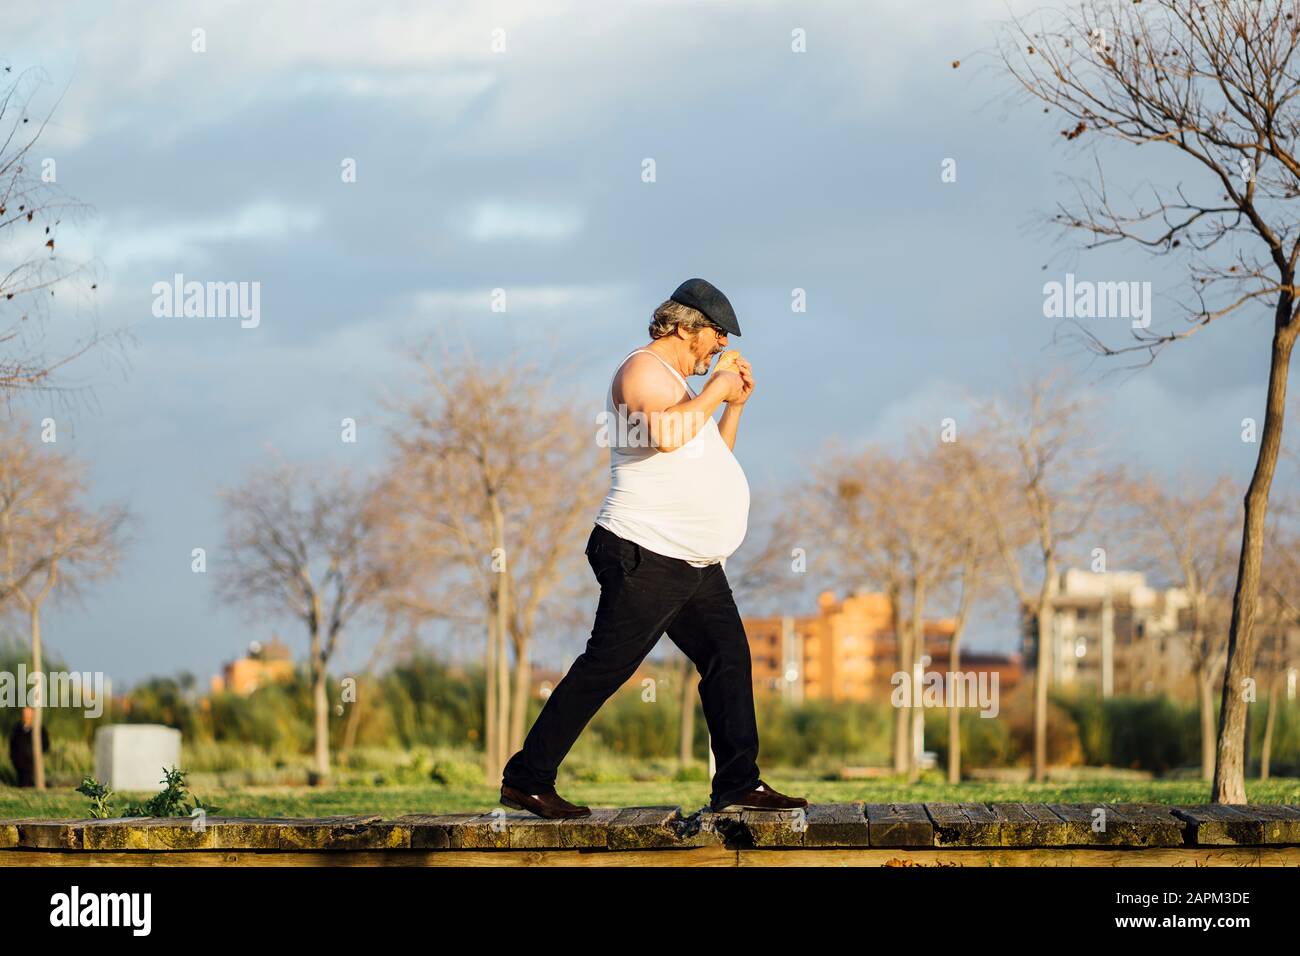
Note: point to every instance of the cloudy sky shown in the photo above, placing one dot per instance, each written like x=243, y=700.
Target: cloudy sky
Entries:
x=521, y=168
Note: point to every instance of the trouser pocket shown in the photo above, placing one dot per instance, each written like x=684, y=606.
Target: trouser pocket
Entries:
x=606, y=549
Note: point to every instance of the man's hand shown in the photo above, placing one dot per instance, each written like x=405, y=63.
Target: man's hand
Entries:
x=732, y=361
x=747, y=378
x=734, y=381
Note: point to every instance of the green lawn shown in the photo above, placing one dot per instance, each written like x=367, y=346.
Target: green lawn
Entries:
x=391, y=801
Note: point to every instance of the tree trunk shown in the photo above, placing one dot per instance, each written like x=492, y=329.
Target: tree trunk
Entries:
x=1267, y=746
x=491, y=766
x=1205, y=694
x=322, y=713
x=354, y=720
x=38, y=753
x=917, y=670
x=686, y=725
x=503, y=679
x=502, y=609
x=904, y=662
x=523, y=681
x=1229, y=772
x=1042, y=674
x=954, y=712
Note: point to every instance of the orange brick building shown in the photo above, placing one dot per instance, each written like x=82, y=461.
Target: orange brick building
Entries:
x=265, y=664
x=847, y=651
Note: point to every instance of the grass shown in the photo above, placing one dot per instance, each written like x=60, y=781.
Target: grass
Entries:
x=395, y=800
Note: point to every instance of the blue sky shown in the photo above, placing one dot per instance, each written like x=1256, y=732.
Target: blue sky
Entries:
x=522, y=170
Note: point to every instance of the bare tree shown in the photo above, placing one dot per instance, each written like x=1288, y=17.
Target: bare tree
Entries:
x=845, y=504
x=972, y=567
x=32, y=208
x=1215, y=82
x=771, y=566
x=499, y=480
x=51, y=541
x=1038, y=491
x=301, y=545
x=1186, y=536
x=877, y=517
x=768, y=573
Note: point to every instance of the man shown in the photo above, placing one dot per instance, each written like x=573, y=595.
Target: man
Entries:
x=677, y=507
x=21, y=754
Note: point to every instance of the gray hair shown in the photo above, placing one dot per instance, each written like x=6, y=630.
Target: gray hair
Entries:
x=670, y=315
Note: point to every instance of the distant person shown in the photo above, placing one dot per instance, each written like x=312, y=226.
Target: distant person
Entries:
x=678, y=506
x=20, y=748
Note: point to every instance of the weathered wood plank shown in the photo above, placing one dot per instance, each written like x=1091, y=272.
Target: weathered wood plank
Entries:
x=1036, y=857
x=51, y=834
x=641, y=828
x=528, y=832
x=344, y=832
x=964, y=824
x=899, y=824
x=1097, y=824
x=431, y=831
x=717, y=856
x=370, y=832
x=1278, y=824
x=457, y=831
x=150, y=833
x=1217, y=824
x=1118, y=824
x=1143, y=824
x=836, y=825
x=700, y=829
x=974, y=826
x=1027, y=824
x=774, y=827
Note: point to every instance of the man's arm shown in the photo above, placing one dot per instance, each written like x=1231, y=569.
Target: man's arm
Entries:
x=729, y=423
x=646, y=388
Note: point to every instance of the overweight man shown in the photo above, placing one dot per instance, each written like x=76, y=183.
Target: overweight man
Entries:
x=677, y=508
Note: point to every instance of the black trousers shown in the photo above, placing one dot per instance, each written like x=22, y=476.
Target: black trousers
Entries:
x=642, y=596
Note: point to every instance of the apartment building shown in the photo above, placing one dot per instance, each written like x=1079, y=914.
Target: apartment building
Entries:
x=847, y=651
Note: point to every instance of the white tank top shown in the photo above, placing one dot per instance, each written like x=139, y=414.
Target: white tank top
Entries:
x=692, y=503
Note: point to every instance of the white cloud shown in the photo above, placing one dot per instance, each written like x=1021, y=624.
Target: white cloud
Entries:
x=496, y=219
x=461, y=302
x=124, y=242
x=126, y=59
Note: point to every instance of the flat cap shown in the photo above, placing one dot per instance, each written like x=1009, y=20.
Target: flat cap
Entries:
x=702, y=295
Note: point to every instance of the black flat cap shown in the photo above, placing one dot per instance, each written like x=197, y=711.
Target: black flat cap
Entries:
x=704, y=296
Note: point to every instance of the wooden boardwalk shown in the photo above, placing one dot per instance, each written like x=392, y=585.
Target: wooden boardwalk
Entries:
x=838, y=834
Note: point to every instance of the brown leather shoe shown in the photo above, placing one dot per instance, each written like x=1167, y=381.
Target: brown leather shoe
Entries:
x=762, y=797
x=550, y=805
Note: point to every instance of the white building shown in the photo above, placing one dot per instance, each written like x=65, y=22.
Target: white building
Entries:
x=1115, y=632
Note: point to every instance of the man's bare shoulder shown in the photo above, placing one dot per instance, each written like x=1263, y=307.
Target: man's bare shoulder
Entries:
x=644, y=384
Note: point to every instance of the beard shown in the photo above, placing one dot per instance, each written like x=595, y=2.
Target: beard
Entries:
x=702, y=366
